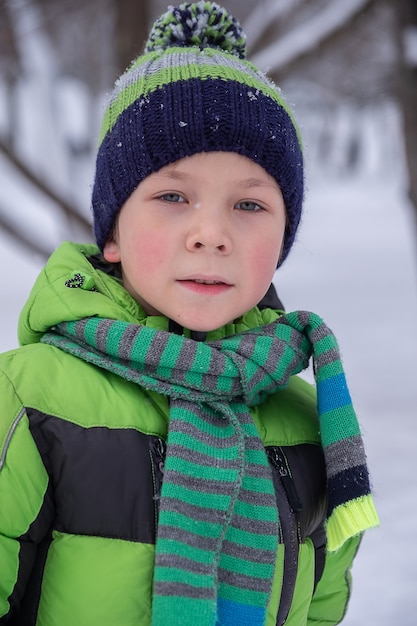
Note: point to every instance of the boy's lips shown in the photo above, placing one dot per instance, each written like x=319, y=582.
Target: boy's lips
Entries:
x=206, y=284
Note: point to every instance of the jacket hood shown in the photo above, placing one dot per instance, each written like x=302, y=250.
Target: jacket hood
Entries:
x=74, y=284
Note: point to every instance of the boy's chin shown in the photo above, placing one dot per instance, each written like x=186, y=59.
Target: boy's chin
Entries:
x=208, y=327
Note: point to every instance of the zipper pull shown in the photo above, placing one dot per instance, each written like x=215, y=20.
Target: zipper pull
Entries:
x=160, y=449
x=158, y=452
x=279, y=461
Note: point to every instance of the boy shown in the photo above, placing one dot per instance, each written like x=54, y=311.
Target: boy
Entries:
x=161, y=462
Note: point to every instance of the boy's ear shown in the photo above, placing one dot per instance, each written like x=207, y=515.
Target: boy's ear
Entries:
x=111, y=251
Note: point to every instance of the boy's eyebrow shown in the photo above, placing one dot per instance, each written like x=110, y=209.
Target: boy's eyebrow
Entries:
x=173, y=173
x=257, y=182
x=246, y=183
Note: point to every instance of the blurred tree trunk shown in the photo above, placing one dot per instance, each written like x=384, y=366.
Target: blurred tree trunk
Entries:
x=131, y=28
x=406, y=85
x=283, y=55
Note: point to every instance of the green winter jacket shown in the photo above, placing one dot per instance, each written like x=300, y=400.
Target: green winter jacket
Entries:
x=81, y=467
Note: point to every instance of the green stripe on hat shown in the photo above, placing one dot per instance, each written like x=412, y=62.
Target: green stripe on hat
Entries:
x=140, y=80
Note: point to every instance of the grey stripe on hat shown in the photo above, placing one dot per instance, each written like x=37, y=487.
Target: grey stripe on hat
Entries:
x=151, y=67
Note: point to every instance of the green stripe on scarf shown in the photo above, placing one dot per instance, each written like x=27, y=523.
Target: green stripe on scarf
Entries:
x=218, y=528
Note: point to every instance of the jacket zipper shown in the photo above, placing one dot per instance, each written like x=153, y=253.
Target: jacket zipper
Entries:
x=157, y=453
x=280, y=462
x=289, y=505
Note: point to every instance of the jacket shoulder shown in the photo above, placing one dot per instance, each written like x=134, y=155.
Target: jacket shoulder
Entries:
x=55, y=383
x=12, y=406
x=289, y=416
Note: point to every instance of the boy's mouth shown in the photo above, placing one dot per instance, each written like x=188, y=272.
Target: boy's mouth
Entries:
x=207, y=280
x=206, y=285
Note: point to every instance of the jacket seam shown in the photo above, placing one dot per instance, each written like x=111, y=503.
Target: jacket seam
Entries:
x=9, y=436
x=75, y=422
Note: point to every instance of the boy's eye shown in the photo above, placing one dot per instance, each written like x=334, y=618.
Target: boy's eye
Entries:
x=248, y=205
x=172, y=197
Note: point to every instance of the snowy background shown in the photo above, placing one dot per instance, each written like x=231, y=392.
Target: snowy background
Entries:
x=354, y=263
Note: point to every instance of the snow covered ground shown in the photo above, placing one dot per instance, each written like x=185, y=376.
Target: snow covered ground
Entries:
x=355, y=264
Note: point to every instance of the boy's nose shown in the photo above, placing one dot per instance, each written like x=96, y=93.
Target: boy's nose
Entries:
x=210, y=233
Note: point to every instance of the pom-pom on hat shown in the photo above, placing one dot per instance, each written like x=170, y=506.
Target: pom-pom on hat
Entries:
x=194, y=91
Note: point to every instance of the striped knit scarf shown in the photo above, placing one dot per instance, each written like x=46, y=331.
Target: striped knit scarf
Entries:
x=218, y=523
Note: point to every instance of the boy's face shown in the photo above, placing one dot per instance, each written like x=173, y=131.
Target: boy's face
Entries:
x=199, y=240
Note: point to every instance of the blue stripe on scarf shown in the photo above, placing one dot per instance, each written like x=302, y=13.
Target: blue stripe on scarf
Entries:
x=332, y=393
x=235, y=614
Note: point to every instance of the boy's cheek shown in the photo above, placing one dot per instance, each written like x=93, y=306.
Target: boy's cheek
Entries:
x=265, y=258
x=150, y=250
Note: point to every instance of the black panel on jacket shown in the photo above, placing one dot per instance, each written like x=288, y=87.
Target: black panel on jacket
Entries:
x=306, y=462
x=300, y=486
x=106, y=481
x=28, y=607
x=103, y=478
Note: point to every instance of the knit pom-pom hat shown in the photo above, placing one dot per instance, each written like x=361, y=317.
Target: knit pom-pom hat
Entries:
x=194, y=91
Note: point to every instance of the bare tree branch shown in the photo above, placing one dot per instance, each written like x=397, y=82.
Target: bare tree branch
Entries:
x=69, y=211
x=262, y=16
x=300, y=42
x=30, y=244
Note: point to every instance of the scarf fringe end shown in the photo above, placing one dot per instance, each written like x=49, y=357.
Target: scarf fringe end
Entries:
x=350, y=519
